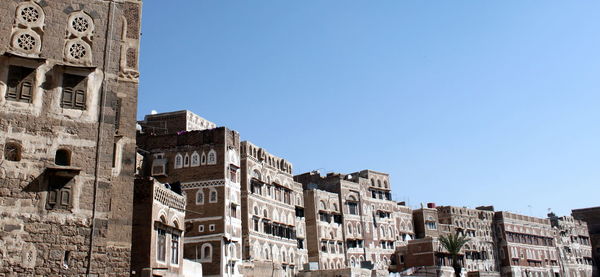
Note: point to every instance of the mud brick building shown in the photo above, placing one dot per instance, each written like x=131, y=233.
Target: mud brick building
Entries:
x=574, y=245
x=478, y=256
x=173, y=122
x=526, y=245
x=207, y=165
x=425, y=252
x=272, y=214
x=326, y=244
x=68, y=97
x=354, y=219
x=477, y=225
x=158, y=225
x=592, y=218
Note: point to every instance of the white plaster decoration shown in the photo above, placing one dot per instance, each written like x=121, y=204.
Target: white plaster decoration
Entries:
x=178, y=161
x=203, y=159
x=195, y=159
x=28, y=29
x=78, y=44
x=186, y=160
x=212, y=157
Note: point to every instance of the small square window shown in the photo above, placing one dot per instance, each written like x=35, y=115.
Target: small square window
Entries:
x=74, y=92
x=211, y=227
x=20, y=84
x=201, y=228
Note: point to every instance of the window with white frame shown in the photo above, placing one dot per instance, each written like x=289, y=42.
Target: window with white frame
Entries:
x=206, y=252
x=195, y=159
x=161, y=247
x=213, y=196
x=200, y=197
x=178, y=161
x=212, y=157
x=174, y=249
x=201, y=228
x=211, y=227
x=186, y=160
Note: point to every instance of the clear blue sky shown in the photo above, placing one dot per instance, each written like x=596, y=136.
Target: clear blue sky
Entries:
x=463, y=102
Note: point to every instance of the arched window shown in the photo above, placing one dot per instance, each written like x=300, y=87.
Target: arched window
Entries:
x=12, y=152
x=200, y=197
x=352, y=262
x=256, y=174
x=385, y=184
x=62, y=157
x=265, y=213
x=203, y=159
x=323, y=206
x=212, y=157
x=373, y=182
x=213, y=196
x=186, y=160
x=379, y=183
x=206, y=252
x=358, y=229
x=335, y=207
x=349, y=227
x=178, y=161
x=195, y=159
x=256, y=210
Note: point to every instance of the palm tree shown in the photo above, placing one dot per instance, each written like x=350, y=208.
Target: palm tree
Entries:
x=453, y=243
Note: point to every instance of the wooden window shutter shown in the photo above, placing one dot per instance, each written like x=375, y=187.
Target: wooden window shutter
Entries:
x=65, y=197
x=67, y=98
x=26, y=92
x=11, y=92
x=74, y=91
x=80, y=99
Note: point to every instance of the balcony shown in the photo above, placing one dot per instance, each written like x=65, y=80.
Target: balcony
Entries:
x=168, y=197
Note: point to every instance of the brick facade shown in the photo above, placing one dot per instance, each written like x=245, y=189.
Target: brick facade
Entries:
x=591, y=216
x=206, y=163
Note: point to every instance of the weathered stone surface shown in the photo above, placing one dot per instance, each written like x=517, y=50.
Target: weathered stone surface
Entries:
x=36, y=232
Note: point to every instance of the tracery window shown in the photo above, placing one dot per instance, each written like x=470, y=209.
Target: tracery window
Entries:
x=212, y=157
x=178, y=161
x=195, y=159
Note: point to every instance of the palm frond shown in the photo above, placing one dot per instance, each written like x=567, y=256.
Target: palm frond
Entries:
x=453, y=243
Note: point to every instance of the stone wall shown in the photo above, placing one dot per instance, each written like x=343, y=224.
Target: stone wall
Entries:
x=37, y=236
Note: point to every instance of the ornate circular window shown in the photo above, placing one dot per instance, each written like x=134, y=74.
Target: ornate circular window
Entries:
x=77, y=50
x=80, y=24
x=26, y=41
x=30, y=15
